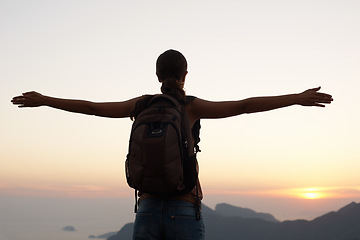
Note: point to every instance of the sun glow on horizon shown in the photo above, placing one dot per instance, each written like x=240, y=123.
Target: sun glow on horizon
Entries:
x=312, y=193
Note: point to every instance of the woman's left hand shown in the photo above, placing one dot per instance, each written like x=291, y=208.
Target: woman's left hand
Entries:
x=29, y=99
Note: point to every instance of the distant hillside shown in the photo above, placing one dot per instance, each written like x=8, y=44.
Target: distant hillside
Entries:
x=227, y=210
x=246, y=224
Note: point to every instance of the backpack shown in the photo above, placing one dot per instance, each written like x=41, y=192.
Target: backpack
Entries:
x=162, y=156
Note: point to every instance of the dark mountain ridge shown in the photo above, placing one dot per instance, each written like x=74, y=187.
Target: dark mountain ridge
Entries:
x=246, y=224
x=227, y=210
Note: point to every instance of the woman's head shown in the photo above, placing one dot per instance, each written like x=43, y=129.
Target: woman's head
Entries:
x=171, y=69
x=171, y=64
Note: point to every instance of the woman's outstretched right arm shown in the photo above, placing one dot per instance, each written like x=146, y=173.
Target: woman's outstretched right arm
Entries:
x=105, y=109
x=207, y=109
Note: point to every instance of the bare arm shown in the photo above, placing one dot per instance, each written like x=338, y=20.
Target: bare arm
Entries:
x=106, y=109
x=207, y=109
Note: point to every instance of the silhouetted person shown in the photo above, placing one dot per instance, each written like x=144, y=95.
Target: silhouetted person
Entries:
x=173, y=218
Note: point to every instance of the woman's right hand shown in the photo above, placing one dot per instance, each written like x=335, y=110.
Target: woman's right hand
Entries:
x=312, y=97
x=29, y=99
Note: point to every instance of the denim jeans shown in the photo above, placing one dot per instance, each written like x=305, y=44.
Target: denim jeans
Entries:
x=158, y=219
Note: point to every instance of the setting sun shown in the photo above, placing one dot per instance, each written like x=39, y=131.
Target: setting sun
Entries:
x=311, y=195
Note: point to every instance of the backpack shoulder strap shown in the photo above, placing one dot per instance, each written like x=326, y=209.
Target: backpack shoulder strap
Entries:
x=189, y=98
x=196, y=128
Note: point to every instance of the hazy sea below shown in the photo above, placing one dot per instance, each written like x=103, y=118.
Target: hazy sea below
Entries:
x=30, y=218
x=43, y=218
